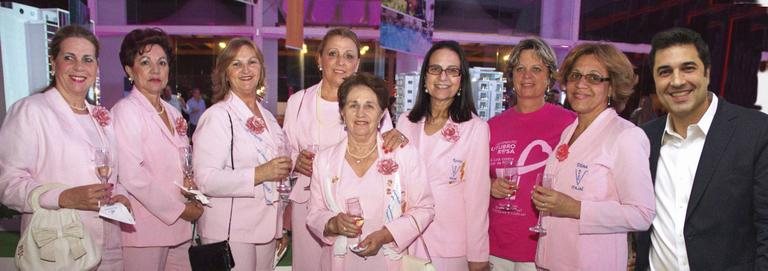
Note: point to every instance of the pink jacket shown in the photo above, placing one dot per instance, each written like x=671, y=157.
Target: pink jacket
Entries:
x=254, y=220
x=42, y=142
x=150, y=163
x=302, y=128
x=372, y=191
x=458, y=176
x=607, y=170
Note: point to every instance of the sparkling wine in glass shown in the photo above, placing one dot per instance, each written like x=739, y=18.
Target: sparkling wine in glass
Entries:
x=284, y=186
x=314, y=149
x=186, y=161
x=103, y=165
x=544, y=180
x=510, y=175
x=355, y=209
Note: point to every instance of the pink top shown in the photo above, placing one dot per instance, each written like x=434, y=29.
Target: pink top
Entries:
x=150, y=163
x=43, y=143
x=457, y=159
x=372, y=190
x=607, y=170
x=257, y=215
x=525, y=141
x=310, y=120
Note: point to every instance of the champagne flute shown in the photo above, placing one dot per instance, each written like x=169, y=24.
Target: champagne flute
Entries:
x=186, y=161
x=510, y=175
x=545, y=181
x=103, y=163
x=284, y=186
x=314, y=149
x=355, y=209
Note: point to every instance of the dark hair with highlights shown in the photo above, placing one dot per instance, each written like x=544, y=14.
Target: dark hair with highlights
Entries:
x=463, y=106
x=69, y=31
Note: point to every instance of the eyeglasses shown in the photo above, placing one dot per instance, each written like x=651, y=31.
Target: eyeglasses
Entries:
x=437, y=70
x=592, y=78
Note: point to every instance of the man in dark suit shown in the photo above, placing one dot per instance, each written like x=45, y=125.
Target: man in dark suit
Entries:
x=709, y=161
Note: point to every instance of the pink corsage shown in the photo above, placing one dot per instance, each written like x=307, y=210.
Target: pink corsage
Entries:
x=255, y=125
x=181, y=126
x=562, y=152
x=387, y=166
x=450, y=132
x=101, y=115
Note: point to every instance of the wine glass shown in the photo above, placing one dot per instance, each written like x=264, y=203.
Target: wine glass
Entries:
x=355, y=209
x=545, y=181
x=102, y=161
x=284, y=186
x=314, y=149
x=510, y=175
x=186, y=161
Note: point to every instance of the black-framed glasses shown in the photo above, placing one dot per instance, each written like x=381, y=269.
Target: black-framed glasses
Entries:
x=592, y=78
x=437, y=70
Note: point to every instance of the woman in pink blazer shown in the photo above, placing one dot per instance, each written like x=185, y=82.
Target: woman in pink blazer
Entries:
x=149, y=134
x=601, y=180
x=51, y=137
x=454, y=143
x=312, y=119
x=245, y=205
x=390, y=188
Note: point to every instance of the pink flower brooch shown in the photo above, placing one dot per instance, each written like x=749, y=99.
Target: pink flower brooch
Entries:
x=255, y=125
x=450, y=132
x=101, y=115
x=181, y=126
x=562, y=152
x=387, y=166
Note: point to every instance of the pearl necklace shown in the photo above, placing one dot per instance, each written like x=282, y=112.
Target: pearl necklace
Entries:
x=77, y=108
x=360, y=158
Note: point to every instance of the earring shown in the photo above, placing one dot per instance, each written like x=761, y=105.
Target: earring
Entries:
x=609, y=101
x=130, y=79
x=458, y=93
x=53, y=72
x=320, y=68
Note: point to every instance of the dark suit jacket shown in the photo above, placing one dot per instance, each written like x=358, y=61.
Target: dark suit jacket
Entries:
x=726, y=223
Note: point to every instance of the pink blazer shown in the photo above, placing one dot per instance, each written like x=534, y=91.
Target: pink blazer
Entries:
x=458, y=176
x=302, y=127
x=253, y=219
x=607, y=170
x=150, y=163
x=372, y=191
x=42, y=142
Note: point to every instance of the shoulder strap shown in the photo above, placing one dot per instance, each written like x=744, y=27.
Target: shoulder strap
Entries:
x=429, y=258
x=231, y=160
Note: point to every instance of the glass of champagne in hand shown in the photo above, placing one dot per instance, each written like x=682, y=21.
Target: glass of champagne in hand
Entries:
x=284, y=186
x=355, y=209
x=544, y=180
x=103, y=162
x=510, y=175
x=186, y=161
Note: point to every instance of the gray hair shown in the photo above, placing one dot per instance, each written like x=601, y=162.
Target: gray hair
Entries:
x=541, y=49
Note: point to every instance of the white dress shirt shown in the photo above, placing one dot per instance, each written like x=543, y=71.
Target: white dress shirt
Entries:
x=678, y=161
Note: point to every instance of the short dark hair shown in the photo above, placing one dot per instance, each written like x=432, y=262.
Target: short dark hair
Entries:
x=371, y=81
x=69, y=31
x=135, y=43
x=463, y=106
x=680, y=36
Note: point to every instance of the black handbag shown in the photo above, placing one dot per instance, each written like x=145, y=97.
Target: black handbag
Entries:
x=216, y=256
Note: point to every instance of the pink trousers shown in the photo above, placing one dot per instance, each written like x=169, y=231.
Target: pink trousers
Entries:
x=250, y=257
x=157, y=258
x=306, y=249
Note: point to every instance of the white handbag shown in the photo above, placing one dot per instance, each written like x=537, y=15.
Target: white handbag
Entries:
x=413, y=263
x=55, y=239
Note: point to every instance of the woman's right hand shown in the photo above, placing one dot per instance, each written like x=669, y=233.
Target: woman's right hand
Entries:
x=85, y=197
x=344, y=224
x=274, y=170
x=500, y=188
x=304, y=163
x=192, y=211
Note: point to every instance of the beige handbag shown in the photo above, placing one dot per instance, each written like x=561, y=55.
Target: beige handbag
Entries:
x=413, y=263
x=55, y=239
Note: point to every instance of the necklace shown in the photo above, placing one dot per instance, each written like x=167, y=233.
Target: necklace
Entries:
x=360, y=158
x=162, y=110
x=77, y=108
